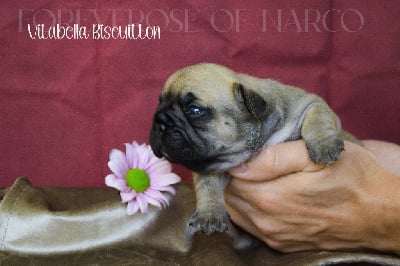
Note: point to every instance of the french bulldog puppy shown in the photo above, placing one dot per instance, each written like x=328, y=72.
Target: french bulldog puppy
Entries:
x=211, y=119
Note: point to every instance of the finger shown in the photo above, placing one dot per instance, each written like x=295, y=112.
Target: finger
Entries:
x=274, y=161
x=235, y=206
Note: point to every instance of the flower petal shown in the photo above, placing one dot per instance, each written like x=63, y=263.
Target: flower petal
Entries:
x=169, y=189
x=117, y=163
x=142, y=203
x=115, y=182
x=134, y=155
x=132, y=207
x=151, y=200
x=155, y=159
x=130, y=155
x=164, y=180
x=118, y=156
x=158, y=167
x=145, y=153
x=157, y=195
x=128, y=196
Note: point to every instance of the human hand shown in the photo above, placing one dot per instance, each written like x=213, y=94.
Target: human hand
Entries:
x=292, y=204
x=388, y=154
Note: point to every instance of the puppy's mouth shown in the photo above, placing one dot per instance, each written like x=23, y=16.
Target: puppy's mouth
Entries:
x=205, y=165
x=187, y=158
x=166, y=155
x=210, y=164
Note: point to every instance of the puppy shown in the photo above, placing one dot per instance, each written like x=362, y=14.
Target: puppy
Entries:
x=210, y=119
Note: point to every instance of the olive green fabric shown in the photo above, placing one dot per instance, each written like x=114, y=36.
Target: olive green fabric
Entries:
x=89, y=226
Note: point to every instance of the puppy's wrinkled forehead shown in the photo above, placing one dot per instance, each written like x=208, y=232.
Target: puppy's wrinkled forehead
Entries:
x=202, y=81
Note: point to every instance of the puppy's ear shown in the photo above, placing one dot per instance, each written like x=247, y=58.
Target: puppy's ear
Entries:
x=252, y=101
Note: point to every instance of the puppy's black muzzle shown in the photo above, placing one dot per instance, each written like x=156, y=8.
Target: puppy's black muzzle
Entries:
x=163, y=121
x=169, y=139
x=166, y=136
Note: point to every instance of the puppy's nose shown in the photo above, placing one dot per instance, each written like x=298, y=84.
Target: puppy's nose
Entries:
x=163, y=121
x=161, y=128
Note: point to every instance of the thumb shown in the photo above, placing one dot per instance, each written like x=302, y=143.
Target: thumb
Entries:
x=275, y=161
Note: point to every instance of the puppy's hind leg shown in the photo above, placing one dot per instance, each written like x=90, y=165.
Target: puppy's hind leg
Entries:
x=321, y=131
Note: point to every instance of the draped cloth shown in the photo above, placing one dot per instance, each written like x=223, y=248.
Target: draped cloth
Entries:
x=89, y=226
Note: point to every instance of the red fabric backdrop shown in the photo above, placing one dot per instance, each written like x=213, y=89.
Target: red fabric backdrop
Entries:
x=64, y=104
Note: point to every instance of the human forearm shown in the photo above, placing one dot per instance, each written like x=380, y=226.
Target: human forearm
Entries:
x=384, y=209
x=388, y=154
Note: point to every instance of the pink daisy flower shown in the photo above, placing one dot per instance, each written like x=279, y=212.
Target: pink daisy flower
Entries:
x=140, y=177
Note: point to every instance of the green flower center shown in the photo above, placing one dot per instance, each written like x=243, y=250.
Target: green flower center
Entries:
x=137, y=179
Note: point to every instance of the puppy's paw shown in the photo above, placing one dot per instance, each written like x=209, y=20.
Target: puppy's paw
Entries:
x=208, y=223
x=325, y=151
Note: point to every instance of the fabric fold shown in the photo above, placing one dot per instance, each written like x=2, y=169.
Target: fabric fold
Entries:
x=64, y=220
x=48, y=226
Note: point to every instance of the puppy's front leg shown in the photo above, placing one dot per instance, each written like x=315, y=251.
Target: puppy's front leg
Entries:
x=211, y=215
x=321, y=131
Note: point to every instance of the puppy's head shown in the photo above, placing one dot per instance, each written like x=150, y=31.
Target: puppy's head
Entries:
x=206, y=120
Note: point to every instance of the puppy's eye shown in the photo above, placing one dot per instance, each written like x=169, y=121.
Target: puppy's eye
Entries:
x=194, y=111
